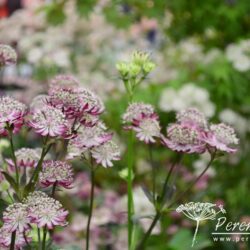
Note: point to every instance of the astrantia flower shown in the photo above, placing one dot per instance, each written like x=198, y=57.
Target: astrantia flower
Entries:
x=59, y=172
x=64, y=81
x=221, y=137
x=67, y=100
x=5, y=239
x=147, y=129
x=88, y=120
x=88, y=137
x=90, y=102
x=8, y=55
x=183, y=138
x=45, y=211
x=26, y=157
x=106, y=153
x=15, y=218
x=11, y=113
x=136, y=110
x=49, y=121
x=192, y=117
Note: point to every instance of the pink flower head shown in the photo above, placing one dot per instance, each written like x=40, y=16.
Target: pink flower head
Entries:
x=67, y=100
x=221, y=137
x=59, y=172
x=184, y=138
x=12, y=114
x=74, y=103
x=90, y=102
x=88, y=137
x=147, y=128
x=8, y=55
x=5, y=239
x=88, y=120
x=15, y=218
x=45, y=211
x=64, y=82
x=192, y=117
x=136, y=111
x=26, y=157
x=106, y=153
x=49, y=121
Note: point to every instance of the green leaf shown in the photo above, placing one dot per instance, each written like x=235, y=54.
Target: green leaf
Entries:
x=11, y=180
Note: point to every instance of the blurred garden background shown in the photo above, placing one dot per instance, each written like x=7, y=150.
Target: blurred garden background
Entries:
x=202, y=55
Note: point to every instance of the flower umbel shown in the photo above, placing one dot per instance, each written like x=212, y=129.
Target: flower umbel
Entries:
x=26, y=157
x=49, y=121
x=184, y=138
x=221, y=137
x=147, y=129
x=16, y=218
x=45, y=211
x=192, y=117
x=59, y=172
x=135, y=111
x=106, y=153
x=12, y=113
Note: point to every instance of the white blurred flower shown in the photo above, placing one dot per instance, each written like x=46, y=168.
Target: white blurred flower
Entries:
x=234, y=119
x=188, y=96
x=239, y=55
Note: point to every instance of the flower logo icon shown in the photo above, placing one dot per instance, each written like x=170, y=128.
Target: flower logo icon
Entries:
x=199, y=211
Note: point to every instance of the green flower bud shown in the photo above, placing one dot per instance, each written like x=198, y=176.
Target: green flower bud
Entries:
x=140, y=57
x=123, y=68
x=134, y=69
x=148, y=67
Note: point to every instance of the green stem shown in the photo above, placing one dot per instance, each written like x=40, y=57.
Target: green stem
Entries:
x=44, y=238
x=54, y=189
x=130, y=187
x=39, y=238
x=153, y=172
x=143, y=242
x=34, y=177
x=13, y=239
x=13, y=156
x=90, y=207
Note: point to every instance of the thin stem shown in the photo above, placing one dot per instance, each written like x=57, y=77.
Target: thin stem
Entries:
x=130, y=187
x=196, y=231
x=90, y=207
x=143, y=242
x=13, y=155
x=182, y=194
x=54, y=189
x=39, y=238
x=44, y=238
x=13, y=239
x=34, y=177
x=153, y=171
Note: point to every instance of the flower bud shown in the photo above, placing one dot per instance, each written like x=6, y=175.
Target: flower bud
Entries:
x=123, y=68
x=148, y=67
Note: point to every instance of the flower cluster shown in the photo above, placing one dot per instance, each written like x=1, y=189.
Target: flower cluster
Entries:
x=140, y=64
x=26, y=157
x=96, y=141
x=38, y=209
x=45, y=211
x=143, y=120
x=12, y=114
x=56, y=172
x=8, y=55
x=192, y=134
